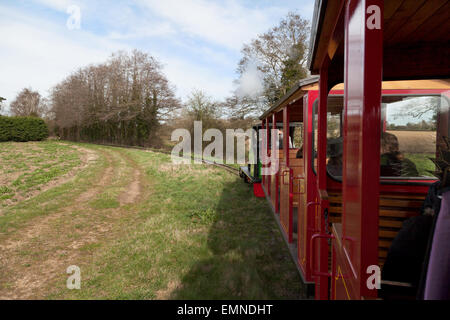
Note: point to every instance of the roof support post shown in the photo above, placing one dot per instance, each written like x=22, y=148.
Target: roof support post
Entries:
x=322, y=288
x=361, y=171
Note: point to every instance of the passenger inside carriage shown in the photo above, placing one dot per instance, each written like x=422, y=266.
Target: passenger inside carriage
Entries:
x=299, y=154
x=334, y=153
x=409, y=126
x=281, y=140
x=393, y=162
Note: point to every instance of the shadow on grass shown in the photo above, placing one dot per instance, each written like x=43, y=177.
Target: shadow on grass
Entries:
x=248, y=258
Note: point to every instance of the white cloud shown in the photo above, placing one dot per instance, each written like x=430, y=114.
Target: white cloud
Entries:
x=187, y=77
x=59, y=5
x=38, y=53
x=140, y=31
x=227, y=23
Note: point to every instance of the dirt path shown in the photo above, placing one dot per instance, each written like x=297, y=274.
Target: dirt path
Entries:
x=134, y=189
x=35, y=257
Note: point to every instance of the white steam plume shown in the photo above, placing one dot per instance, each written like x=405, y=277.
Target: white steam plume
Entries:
x=251, y=82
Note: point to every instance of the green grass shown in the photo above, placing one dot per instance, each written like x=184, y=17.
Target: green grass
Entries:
x=200, y=235
x=5, y=190
x=105, y=202
x=423, y=163
x=37, y=164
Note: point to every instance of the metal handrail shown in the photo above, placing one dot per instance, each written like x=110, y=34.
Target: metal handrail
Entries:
x=313, y=254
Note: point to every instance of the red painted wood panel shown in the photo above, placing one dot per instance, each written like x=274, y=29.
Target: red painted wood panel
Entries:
x=361, y=172
x=307, y=213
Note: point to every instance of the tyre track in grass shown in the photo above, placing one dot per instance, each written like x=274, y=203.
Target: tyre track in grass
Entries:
x=134, y=190
x=35, y=258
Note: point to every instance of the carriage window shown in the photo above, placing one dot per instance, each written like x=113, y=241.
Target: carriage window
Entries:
x=335, y=142
x=315, y=131
x=334, y=135
x=297, y=136
x=408, y=138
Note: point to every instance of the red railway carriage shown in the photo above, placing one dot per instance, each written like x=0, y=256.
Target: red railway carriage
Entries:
x=338, y=203
x=361, y=43
x=293, y=191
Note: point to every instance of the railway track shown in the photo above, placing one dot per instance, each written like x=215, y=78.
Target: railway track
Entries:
x=208, y=162
x=223, y=166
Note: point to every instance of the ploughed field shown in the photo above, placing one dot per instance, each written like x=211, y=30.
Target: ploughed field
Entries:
x=137, y=226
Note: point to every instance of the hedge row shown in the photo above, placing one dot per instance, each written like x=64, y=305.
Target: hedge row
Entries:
x=22, y=129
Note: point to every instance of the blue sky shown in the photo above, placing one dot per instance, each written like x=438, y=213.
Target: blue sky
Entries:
x=197, y=41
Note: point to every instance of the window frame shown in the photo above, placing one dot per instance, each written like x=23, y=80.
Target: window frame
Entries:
x=313, y=128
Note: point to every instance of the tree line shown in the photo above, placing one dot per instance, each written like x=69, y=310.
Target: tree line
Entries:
x=419, y=126
x=122, y=101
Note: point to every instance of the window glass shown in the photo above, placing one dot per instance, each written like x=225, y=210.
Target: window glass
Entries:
x=408, y=138
x=335, y=142
x=408, y=135
x=315, y=126
x=334, y=137
x=297, y=136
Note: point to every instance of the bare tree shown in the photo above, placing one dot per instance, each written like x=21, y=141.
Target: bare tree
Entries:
x=417, y=107
x=1, y=104
x=201, y=107
x=124, y=100
x=28, y=103
x=241, y=107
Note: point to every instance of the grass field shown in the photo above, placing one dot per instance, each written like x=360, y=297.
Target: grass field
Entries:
x=26, y=170
x=138, y=226
x=423, y=163
x=419, y=147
